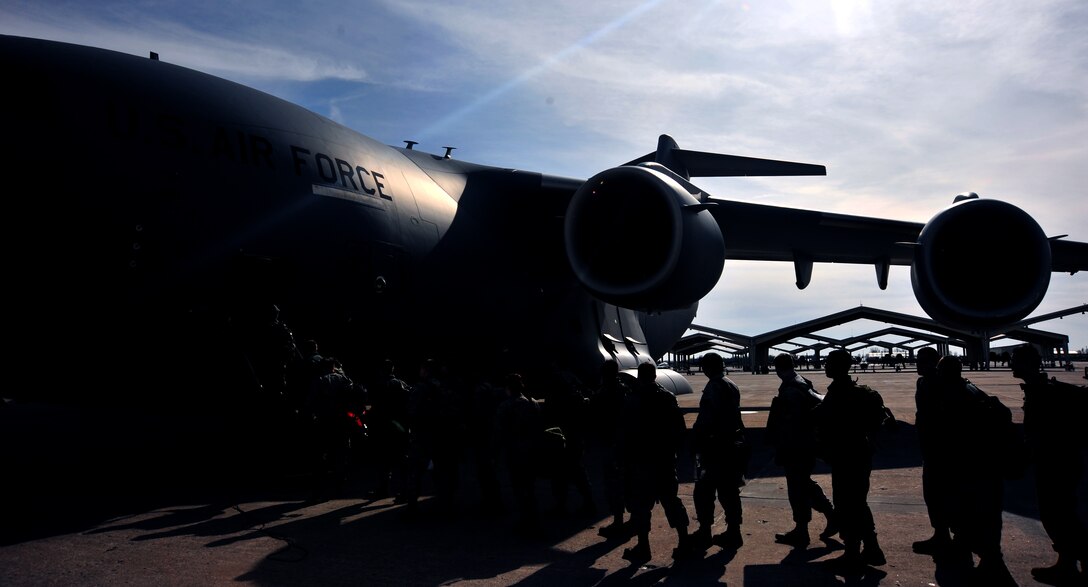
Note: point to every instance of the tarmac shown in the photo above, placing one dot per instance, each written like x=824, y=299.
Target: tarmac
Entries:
x=101, y=496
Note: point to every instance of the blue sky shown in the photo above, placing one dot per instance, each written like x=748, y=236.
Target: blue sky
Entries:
x=906, y=103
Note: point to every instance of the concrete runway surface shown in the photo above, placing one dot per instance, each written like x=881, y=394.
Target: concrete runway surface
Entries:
x=113, y=496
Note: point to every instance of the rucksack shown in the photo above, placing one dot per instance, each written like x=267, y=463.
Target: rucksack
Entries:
x=1005, y=448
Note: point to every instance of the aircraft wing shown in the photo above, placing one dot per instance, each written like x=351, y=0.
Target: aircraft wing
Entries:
x=976, y=264
x=757, y=232
x=1068, y=256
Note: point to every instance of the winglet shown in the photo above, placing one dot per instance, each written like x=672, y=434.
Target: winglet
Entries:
x=666, y=155
x=701, y=164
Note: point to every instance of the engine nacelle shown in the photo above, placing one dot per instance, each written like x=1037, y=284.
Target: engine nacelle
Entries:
x=637, y=238
x=980, y=263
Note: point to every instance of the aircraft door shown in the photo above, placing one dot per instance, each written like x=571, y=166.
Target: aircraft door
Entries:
x=425, y=219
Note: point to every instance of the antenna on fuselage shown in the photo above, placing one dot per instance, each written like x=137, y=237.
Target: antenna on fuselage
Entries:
x=449, y=152
x=411, y=144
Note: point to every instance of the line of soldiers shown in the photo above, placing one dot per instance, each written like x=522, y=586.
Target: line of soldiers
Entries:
x=1058, y=448
x=968, y=444
x=427, y=430
x=802, y=425
x=970, y=447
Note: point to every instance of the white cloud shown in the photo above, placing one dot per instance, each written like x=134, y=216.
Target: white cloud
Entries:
x=180, y=43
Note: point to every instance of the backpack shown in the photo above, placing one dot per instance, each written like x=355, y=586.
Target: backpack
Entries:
x=1004, y=446
x=791, y=426
x=878, y=415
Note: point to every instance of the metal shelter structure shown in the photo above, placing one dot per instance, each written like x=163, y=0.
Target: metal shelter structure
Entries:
x=754, y=351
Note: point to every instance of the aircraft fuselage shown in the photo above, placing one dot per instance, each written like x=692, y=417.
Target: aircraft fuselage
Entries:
x=159, y=196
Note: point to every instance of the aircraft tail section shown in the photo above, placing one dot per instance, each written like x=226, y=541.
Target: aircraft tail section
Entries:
x=702, y=164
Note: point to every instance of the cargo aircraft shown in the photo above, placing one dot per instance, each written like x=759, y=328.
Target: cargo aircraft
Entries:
x=157, y=218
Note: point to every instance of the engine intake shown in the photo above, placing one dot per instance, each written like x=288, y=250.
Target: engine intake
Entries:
x=981, y=263
x=637, y=238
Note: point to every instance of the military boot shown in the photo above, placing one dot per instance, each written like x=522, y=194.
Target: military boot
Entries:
x=850, y=559
x=701, y=539
x=798, y=537
x=832, y=527
x=937, y=544
x=873, y=555
x=730, y=539
x=1063, y=572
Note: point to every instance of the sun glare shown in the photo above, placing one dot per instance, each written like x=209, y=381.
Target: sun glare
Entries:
x=852, y=17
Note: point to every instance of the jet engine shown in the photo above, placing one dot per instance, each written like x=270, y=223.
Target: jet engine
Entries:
x=980, y=263
x=638, y=237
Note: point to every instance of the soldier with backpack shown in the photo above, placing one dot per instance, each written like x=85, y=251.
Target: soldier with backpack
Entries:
x=1053, y=423
x=935, y=463
x=721, y=456
x=567, y=408
x=847, y=422
x=389, y=428
x=977, y=440
x=791, y=432
x=653, y=432
x=518, y=429
x=606, y=408
x=332, y=395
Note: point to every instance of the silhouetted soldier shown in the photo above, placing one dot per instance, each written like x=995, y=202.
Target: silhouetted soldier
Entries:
x=975, y=429
x=518, y=426
x=719, y=455
x=566, y=408
x=451, y=437
x=433, y=441
x=329, y=401
x=487, y=396
x=309, y=357
x=847, y=421
x=653, y=431
x=388, y=424
x=790, y=430
x=305, y=366
x=935, y=461
x=1053, y=412
x=271, y=349
x=606, y=406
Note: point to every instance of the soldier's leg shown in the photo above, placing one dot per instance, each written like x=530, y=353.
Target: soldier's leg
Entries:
x=521, y=483
x=638, y=494
x=798, y=490
x=613, y=487
x=418, y=458
x=1057, y=483
x=668, y=489
x=935, y=495
x=585, y=490
x=640, y=502
x=849, y=499
x=817, y=499
x=728, y=485
x=703, y=496
x=991, y=569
